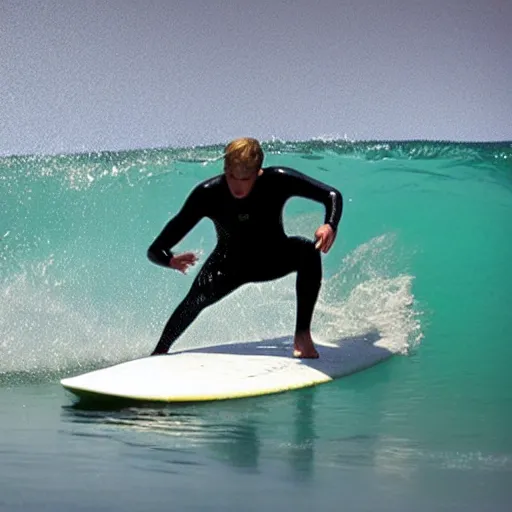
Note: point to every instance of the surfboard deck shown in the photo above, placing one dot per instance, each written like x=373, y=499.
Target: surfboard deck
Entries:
x=230, y=371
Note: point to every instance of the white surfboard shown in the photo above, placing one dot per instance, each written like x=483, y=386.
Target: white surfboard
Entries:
x=227, y=371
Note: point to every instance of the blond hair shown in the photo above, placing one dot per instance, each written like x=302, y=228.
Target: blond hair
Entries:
x=243, y=156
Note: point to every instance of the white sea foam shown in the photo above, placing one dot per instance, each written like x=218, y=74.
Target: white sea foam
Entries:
x=42, y=330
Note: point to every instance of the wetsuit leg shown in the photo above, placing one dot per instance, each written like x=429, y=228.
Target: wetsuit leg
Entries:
x=214, y=281
x=221, y=275
x=296, y=255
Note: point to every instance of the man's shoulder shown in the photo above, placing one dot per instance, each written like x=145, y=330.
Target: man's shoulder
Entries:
x=204, y=194
x=209, y=185
x=212, y=182
x=280, y=171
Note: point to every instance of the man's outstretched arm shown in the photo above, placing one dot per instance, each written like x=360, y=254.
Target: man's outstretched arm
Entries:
x=159, y=252
x=299, y=184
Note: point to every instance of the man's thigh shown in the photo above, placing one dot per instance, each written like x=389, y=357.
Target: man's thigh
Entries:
x=281, y=260
x=216, y=279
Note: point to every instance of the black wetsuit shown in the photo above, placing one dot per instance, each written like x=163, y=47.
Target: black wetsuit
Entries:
x=252, y=245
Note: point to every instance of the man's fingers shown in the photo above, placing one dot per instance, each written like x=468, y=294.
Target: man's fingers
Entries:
x=187, y=259
x=324, y=243
x=183, y=265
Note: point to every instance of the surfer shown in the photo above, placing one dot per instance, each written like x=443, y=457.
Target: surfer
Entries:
x=245, y=203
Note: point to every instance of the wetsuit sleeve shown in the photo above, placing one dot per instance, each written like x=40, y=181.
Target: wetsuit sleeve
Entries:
x=191, y=213
x=298, y=184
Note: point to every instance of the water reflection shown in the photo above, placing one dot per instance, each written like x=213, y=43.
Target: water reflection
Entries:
x=235, y=434
x=301, y=452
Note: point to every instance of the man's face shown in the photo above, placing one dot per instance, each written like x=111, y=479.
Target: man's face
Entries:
x=240, y=182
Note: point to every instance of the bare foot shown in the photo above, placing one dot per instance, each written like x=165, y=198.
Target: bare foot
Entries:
x=303, y=347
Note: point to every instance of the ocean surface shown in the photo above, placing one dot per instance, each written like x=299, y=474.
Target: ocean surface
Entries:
x=423, y=257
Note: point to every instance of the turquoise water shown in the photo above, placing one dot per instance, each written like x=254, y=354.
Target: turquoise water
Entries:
x=423, y=257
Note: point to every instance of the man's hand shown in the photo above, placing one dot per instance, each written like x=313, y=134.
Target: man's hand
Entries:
x=181, y=262
x=325, y=236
